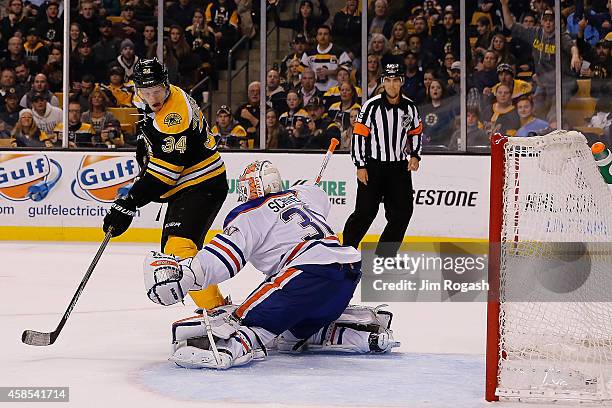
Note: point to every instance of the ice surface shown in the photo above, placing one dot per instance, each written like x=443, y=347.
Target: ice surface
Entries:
x=397, y=380
x=113, y=350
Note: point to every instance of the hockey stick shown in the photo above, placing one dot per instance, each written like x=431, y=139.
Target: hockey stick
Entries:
x=330, y=150
x=35, y=338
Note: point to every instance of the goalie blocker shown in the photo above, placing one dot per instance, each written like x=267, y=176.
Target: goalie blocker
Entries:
x=303, y=301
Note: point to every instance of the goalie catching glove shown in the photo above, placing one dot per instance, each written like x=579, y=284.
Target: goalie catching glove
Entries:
x=168, y=279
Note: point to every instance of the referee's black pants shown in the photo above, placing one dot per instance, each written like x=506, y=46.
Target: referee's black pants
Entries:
x=391, y=184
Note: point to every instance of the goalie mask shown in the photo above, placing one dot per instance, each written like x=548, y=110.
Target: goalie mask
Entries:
x=259, y=179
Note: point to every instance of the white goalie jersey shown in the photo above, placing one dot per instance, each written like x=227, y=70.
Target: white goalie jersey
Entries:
x=275, y=232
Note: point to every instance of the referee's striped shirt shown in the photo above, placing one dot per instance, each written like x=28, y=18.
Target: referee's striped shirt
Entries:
x=386, y=132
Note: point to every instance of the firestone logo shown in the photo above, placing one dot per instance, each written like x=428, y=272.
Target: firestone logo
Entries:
x=27, y=176
x=101, y=177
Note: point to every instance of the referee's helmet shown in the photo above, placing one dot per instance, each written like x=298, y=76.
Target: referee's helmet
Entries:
x=393, y=70
x=150, y=72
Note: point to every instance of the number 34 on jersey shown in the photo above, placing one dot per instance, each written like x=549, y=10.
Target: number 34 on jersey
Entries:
x=171, y=144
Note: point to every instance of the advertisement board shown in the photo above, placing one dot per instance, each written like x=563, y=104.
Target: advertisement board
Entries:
x=65, y=195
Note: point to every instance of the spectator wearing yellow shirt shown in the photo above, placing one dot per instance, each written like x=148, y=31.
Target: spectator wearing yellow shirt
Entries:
x=518, y=87
x=122, y=92
x=332, y=95
x=502, y=114
x=340, y=111
x=228, y=133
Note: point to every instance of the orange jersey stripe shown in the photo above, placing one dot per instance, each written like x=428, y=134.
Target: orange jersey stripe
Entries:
x=296, y=249
x=265, y=289
x=361, y=129
x=299, y=246
x=187, y=318
x=228, y=252
x=417, y=130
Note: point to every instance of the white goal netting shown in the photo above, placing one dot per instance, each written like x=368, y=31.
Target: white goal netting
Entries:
x=555, y=322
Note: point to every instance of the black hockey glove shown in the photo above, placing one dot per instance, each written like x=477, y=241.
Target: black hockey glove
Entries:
x=120, y=216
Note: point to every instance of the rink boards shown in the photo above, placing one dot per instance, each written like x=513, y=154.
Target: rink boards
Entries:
x=64, y=195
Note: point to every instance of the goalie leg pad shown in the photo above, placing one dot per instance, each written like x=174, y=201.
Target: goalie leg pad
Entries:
x=360, y=329
x=239, y=349
x=222, y=324
x=214, y=340
x=221, y=355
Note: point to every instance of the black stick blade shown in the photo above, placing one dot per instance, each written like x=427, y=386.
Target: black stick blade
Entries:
x=34, y=338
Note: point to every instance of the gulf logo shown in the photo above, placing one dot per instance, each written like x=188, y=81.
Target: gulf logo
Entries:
x=100, y=177
x=18, y=172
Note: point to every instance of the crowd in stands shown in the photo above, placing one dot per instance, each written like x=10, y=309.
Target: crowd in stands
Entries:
x=509, y=69
x=314, y=91
x=107, y=38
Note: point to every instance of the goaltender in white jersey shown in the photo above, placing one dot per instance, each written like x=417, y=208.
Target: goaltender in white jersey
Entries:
x=303, y=303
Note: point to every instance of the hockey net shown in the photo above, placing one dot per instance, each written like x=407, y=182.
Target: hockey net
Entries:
x=549, y=323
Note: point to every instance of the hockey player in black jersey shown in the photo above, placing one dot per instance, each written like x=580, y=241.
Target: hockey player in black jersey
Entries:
x=180, y=165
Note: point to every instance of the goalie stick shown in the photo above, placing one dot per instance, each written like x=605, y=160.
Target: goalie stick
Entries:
x=330, y=150
x=36, y=338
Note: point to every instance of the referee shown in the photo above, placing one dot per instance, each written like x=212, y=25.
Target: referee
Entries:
x=385, y=148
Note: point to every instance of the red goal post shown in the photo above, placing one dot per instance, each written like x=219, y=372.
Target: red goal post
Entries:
x=495, y=225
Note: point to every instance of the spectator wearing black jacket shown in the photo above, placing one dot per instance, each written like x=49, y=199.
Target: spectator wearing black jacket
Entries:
x=14, y=54
x=9, y=113
x=201, y=39
x=487, y=77
x=147, y=46
x=7, y=83
x=51, y=28
x=346, y=26
x=23, y=78
x=521, y=49
x=299, y=47
x=35, y=51
x=600, y=70
x=222, y=17
x=53, y=69
x=247, y=113
x=446, y=36
x=88, y=21
x=426, y=58
x=421, y=29
x=83, y=62
x=182, y=12
x=306, y=22
x=128, y=27
x=275, y=93
x=485, y=35
x=321, y=128
x=106, y=50
x=189, y=62
x=413, y=86
x=14, y=21
x=307, y=89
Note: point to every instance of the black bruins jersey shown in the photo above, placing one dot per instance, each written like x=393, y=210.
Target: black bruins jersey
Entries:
x=175, y=150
